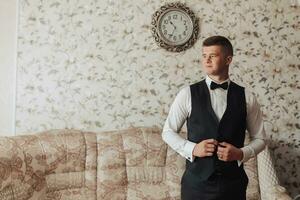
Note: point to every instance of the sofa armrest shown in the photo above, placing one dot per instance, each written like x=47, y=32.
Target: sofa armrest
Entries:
x=270, y=188
x=277, y=192
x=21, y=167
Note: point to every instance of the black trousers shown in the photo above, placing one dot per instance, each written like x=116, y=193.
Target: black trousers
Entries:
x=216, y=187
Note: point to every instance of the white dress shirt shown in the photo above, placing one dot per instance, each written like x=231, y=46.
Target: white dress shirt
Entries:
x=181, y=109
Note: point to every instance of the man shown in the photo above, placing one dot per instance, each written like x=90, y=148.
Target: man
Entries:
x=217, y=112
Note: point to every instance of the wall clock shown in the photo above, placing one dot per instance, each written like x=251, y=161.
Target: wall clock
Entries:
x=175, y=27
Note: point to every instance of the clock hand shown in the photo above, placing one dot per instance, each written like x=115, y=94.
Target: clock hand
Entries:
x=173, y=31
x=173, y=25
x=174, y=28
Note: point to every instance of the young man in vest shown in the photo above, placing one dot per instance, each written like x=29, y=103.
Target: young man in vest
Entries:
x=217, y=112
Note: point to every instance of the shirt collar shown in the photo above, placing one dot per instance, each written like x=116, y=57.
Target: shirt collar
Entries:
x=208, y=81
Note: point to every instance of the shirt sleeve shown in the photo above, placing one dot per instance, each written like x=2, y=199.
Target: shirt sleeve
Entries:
x=255, y=128
x=179, y=111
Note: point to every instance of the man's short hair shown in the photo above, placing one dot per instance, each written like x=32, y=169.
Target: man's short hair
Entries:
x=220, y=41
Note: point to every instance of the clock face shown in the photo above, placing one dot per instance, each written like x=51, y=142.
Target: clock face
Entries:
x=175, y=27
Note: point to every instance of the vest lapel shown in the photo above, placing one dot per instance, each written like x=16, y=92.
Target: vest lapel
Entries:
x=209, y=106
x=227, y=103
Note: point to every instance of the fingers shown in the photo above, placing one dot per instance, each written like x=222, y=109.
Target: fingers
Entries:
x=208, y=154
x=224, y=144
x=222, y=151
x=225, y=151
x=222, y=157
x=212, y=141
x=209, y=150
x=205, y=148
x=209, y=147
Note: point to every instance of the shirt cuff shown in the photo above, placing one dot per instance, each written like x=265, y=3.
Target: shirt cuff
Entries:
x=188, y=150
x=248, y=152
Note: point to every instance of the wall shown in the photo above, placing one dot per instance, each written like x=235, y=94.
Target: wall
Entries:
x=93, y=65
x=8, y=35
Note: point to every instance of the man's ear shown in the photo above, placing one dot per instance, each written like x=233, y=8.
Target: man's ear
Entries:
x=228, y=60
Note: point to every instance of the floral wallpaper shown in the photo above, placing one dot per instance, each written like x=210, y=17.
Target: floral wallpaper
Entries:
x=94, y=65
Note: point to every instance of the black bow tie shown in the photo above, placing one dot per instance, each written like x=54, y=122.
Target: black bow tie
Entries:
x=214, y=85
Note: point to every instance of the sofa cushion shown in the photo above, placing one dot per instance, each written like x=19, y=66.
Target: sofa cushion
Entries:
x=70, y=164
x=111, y=166
x=131, y=164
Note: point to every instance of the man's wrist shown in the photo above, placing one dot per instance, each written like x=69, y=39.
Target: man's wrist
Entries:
x=189, y=150
x=240, y=155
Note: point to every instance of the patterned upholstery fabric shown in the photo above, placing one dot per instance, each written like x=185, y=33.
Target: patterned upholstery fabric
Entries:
x=53, y=165
x=269, y=183
x=253, y=191
x=128, y=164
x=137, y=159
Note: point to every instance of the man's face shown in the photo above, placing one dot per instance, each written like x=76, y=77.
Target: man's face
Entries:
x=214, y=61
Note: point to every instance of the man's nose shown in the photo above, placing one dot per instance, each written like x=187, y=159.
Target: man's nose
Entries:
x=208, y=59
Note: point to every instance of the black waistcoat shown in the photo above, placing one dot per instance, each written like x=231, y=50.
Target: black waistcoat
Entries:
x=204, y=124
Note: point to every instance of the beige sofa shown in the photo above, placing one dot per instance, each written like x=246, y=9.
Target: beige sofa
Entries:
x=129, y=164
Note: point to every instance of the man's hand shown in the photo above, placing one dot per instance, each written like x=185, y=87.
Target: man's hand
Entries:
x=205, y=148
x=228, y=152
